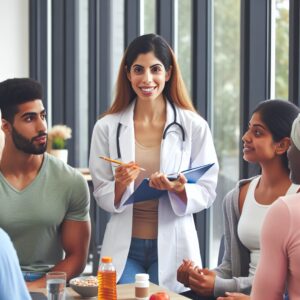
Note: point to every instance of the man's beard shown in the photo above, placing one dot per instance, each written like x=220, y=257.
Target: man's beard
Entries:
x=26, y=145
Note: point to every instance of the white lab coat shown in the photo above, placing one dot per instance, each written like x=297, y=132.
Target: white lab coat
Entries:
x=177, y=236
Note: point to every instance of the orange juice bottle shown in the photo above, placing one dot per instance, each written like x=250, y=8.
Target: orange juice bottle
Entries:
x=107, y=276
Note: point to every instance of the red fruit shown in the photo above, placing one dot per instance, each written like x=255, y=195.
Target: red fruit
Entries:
x=160, y=296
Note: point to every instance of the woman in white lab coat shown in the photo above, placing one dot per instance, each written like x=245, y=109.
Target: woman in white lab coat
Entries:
x=151, y=125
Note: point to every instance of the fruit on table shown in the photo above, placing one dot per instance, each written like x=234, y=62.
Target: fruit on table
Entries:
x=159, y=296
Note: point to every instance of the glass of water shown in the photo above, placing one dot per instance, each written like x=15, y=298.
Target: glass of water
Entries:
x=56, y=285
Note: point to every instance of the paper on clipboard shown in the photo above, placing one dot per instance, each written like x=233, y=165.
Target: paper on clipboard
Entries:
x=144, y=192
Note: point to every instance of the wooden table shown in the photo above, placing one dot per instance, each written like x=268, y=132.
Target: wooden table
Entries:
x=124, y=291
x=127, y=291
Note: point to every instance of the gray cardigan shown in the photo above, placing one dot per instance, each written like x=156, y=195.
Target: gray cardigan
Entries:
x=233, y=272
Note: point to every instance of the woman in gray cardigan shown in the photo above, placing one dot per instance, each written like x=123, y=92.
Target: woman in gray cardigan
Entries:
x=265, y=142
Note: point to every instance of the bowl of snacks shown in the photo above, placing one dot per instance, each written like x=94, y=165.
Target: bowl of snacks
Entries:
x=86, y=286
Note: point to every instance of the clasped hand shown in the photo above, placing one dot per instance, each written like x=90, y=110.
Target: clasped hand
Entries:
x=202, y=281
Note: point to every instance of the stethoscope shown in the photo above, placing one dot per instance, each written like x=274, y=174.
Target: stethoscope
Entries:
x=167, y=129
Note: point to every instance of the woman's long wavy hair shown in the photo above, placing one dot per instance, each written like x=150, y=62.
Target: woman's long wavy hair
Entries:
x=174, y=90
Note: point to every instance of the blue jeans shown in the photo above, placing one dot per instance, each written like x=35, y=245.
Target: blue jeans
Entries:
x=142, y=258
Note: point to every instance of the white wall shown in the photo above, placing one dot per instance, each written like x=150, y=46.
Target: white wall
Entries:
x=14, y=39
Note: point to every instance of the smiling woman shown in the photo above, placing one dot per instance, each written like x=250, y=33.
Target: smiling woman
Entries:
x=151, y=123
x=266, y=142
x=148, y=76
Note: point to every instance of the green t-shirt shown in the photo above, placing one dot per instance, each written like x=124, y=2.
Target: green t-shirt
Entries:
x=32, y=217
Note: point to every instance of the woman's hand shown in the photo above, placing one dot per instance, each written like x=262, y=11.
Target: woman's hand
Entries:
x=126, y=173
x=160, y=181
x=202, y=281
x=183, y=271
x=234, y=296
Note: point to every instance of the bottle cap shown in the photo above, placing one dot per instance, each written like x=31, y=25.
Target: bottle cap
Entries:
x=106, y=259
x=141, y=277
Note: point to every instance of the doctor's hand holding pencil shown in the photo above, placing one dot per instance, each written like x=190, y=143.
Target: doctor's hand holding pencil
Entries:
x=125, y=173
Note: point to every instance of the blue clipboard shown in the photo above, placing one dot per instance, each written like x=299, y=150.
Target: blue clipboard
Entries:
x=144, y=192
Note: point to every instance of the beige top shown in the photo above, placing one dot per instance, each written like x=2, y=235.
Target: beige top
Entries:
x=145, y=214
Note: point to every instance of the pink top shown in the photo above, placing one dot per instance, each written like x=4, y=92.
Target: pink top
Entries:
x=280, y=251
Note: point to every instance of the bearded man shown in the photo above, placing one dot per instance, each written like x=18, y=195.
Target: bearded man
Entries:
x=44, y=202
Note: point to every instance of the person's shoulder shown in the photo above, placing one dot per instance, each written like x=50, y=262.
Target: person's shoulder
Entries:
x=282, y=209
x=242, y=183
x=58, y=168
x=4, y=239
x=231, y=199
x=291, y=197
x=232, y=195
x=191, y=120
x=106, y=123
x=192, y=116
x=107, y=119
x=3, y=235
x=291, y=201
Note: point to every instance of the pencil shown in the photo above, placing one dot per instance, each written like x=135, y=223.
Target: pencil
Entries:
x=117, y=162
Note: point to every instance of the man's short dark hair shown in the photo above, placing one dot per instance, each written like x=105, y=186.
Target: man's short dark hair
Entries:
x=16, y=91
